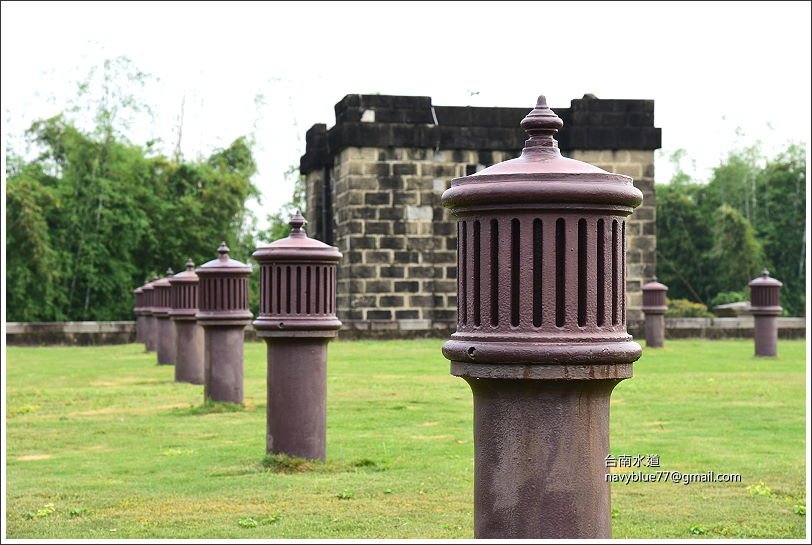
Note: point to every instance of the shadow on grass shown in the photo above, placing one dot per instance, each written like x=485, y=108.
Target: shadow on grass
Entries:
x=284, y=464
x=208, y=407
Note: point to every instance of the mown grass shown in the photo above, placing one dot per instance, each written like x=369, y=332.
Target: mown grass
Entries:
x=101, y=443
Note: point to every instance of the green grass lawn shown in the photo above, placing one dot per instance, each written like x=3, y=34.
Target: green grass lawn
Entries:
x=101, y=443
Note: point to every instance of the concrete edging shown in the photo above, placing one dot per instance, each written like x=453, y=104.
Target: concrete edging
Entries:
x=123, y=332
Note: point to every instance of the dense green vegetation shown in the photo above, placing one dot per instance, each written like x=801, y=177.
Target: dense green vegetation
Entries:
x=101, y=443
x=713, y=238
x=93, y=214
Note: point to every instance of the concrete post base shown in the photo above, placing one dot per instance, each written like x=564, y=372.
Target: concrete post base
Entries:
x=223, y=363
x=166, y=341
x=297, y=397
x=766, y=334
x=151, y=333
x=540, y=448
x=189, y=352
x=139, y=329
x=655, y=330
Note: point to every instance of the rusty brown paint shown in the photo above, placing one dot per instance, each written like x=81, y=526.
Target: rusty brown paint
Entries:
x=765, y=305
x=222, y=312
x=654, y=308
x=150, y=322
x=541, y=333
x=189, y=365
x=297, y=319
x=165, y=333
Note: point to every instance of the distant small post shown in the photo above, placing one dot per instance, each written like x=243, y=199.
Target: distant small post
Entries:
x=297, y=318
x=654, y=307
x=139, y=317
x=165, y=327
x=223, y=313
x=188, y=334
x=765, y=306
x=150, y=325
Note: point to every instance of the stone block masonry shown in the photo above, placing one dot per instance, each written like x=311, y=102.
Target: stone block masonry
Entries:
x=375, y=178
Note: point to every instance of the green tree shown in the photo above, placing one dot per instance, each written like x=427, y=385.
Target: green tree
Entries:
x=713, y=238
x=278, y=221
x=93, y=215
x=737, y=253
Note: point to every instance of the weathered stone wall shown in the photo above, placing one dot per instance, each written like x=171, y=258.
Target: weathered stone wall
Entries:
x=375, y=179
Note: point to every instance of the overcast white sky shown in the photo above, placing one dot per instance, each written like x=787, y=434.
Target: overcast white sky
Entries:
x=711, y=68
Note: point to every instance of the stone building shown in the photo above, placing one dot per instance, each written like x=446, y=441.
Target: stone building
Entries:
x=375, y=178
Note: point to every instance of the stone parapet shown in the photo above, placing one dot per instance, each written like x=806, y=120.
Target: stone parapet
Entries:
x=375, y=178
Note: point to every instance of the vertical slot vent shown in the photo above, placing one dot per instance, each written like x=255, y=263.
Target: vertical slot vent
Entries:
x=326, y=294
x=601, y=276
x=560, y=262
x=515, y=266
x=463, y=274
x=623, y=274
x=307, y=289
x=614, y=273
x=494, y=280
x=287, y=289
x=537, y=277
x=476, y=275
x=279, y=290
x=318, y=288
x=332, y=288
x=581, y=272
x=298, y=290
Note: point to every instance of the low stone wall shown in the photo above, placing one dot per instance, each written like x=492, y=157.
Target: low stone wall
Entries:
x=69, y=333
x=721, y=328
x=93, y=333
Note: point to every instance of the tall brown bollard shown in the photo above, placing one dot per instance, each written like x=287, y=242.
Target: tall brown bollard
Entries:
x=188, y=334
x=223, y=313
x=765, y=306
x=165, y=327
x=654, y=307
x=541, y=334
x=139, y=317
x=150, y=322
x=297, y=319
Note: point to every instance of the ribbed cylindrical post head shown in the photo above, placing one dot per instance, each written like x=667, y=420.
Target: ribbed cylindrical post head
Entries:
x=654, y=301
x=183, y=293
x=297, y=286
x=765, y=294
x=541, y=261
x=223, y=291
x=161, y=304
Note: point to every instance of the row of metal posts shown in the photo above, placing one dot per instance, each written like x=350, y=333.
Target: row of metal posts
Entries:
x=541, y=335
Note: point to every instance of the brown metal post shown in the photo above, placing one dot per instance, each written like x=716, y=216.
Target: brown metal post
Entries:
x=297, y=319
x=223, y=313
x=188, y=334
x=541, y=334
x=150, y=327
x=765, y=306
x=165, y=333
x=654, y=307
x=139, y=317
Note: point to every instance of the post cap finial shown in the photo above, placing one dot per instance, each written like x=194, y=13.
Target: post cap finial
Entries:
x=297, y=223
x=765, y=273
x=190, y=265
x=654, y=278
x=223, y=251
x=169, y=272
x=541, y=124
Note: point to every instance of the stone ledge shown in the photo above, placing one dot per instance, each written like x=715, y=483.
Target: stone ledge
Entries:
x=379, y=121
x=721, y=328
